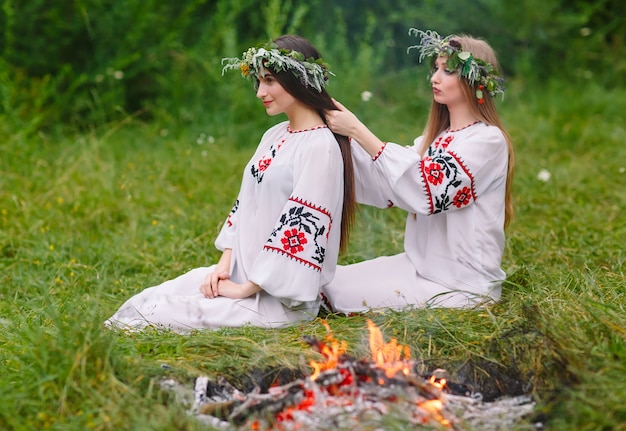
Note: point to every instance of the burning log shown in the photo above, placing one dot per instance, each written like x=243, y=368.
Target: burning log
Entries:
x=343, y=392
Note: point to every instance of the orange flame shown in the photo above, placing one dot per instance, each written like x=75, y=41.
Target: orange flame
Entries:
x=331, y=352
x=388, y=356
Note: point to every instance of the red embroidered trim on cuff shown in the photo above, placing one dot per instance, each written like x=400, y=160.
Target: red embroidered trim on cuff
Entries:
x=379, y=152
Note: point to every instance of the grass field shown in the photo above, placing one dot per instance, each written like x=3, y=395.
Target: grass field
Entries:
x=88, y=219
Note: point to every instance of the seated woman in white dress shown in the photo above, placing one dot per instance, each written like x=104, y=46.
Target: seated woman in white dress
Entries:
x=454, y=181
x=281, y=240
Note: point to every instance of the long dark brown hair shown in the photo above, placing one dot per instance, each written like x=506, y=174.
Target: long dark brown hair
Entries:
x=320, y=101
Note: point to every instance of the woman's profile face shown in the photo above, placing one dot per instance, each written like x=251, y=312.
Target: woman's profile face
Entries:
x=274, y=96
x=446, y=84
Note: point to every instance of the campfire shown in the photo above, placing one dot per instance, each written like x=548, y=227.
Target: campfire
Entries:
x=342, y=392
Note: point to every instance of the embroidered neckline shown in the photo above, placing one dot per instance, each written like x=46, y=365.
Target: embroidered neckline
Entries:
x=448, y=130
x=321, y=126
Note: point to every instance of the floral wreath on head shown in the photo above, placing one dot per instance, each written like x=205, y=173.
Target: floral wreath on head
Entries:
x=311, y=72
x=478, y=72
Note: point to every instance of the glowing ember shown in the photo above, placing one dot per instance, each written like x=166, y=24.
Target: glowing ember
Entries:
x=440, y=384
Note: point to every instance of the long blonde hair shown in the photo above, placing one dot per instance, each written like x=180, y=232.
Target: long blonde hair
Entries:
x=439, y=117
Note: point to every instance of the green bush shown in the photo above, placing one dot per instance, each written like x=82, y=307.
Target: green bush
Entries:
x=86, y=63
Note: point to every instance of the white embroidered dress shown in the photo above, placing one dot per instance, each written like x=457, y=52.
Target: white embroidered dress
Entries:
x=454, y=235
x=284, y=232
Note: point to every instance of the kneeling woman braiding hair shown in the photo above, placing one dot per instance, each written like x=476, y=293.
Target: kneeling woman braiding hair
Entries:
x=454, y=182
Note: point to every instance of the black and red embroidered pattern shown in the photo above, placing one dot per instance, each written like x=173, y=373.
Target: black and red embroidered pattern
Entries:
x=258, y=169
x=234, y=209
x=448, y=182
x=301, y=233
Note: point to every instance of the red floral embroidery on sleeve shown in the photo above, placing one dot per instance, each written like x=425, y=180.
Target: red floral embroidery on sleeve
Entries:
x=293, y=241
x=448, y=182
x=303, y=230
x=463, y=197
x=433, y=172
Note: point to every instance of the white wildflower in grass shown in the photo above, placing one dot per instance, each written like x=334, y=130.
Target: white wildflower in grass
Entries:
x=118, y=74
x=622, y=170
x=366, y=96
x=203, y=137
x=544, y=175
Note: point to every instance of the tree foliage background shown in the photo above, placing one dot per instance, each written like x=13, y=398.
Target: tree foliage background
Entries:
x=86, y=63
